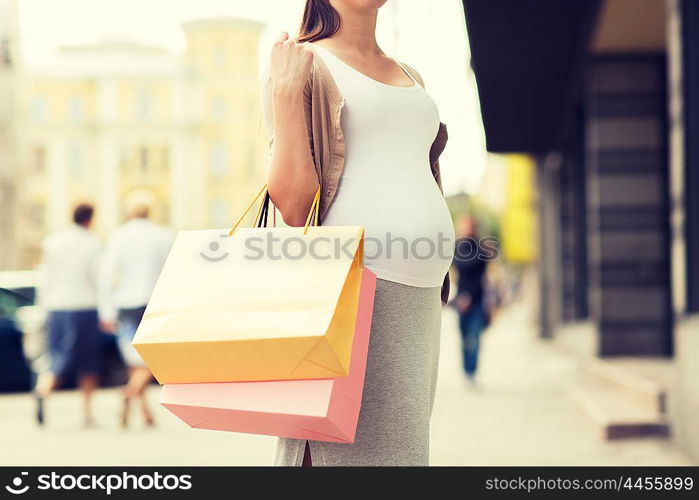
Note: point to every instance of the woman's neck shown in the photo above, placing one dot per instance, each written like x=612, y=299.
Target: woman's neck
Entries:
x=357, y=32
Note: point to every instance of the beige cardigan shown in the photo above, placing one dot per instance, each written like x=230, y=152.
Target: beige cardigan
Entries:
x=323, y=105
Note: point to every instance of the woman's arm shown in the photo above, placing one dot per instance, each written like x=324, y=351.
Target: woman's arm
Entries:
x=292, y=180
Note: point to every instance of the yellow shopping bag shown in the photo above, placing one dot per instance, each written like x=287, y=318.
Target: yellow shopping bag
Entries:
x=255, y=303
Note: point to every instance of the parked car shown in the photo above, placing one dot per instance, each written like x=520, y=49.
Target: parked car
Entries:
x=15, y=374
x=22, y=337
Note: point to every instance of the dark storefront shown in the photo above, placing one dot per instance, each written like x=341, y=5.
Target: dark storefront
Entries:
x=605, y=94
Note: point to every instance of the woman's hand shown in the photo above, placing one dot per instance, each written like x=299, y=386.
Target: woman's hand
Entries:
x=463, y=303
x=290, y=64
x=292, y=179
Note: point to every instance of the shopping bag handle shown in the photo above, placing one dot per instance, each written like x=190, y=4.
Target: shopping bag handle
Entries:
x=315, y=208
x=261, y=215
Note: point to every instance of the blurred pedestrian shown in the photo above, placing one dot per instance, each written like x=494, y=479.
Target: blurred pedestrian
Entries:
x=69, y=294
x=471, y=265
x=132, y=262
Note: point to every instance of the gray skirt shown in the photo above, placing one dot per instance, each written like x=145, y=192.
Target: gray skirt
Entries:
x=401, y=374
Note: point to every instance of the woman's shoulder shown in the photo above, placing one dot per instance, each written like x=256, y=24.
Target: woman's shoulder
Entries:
x=320, y=80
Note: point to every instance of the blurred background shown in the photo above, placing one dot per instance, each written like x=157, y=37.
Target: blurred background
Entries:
x=573, y=140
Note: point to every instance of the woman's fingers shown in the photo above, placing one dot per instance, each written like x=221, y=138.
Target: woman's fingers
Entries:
x=290, y=61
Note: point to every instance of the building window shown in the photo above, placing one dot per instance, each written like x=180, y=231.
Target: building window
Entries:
x=219, y=160
x=39, y=159
x=75, y=159
x=75, y=109
x=219, y=108
x=143, y=159
x=143, y=105
x=218, y=213
x=5, y=53
x=39, y=109
x=220, y=57
x=36, y=214
x=122, y=153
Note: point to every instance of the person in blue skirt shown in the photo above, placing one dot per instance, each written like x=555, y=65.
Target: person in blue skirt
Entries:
x=69, y=294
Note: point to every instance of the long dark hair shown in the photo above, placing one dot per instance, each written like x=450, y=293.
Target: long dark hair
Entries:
x=320, y=20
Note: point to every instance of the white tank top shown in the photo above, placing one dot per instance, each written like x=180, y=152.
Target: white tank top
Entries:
x=387, y=184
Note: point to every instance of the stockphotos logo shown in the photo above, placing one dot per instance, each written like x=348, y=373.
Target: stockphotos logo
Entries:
x=105, y=483
x=17, y=486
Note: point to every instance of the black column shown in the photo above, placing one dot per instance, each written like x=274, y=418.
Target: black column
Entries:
x=549, y=201
x=690, y=88
x=626, y=157
x=573, y=222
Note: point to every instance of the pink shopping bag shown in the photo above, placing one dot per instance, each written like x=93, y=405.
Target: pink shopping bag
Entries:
x=320, y=409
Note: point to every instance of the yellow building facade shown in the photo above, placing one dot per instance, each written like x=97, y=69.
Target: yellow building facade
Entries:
x=9, y=114
x=112, y=118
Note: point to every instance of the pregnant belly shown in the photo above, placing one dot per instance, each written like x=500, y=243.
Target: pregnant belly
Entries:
x=408, y=239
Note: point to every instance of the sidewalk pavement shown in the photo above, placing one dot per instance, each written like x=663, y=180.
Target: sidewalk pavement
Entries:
x=519, y=414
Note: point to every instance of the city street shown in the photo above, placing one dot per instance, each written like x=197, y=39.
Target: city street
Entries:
x=520, y=414
x=561, y=144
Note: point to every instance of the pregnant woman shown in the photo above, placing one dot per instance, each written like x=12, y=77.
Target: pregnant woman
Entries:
x=345, y=116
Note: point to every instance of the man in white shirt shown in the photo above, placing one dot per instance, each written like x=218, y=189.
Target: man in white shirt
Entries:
x=133, y=260
x=69, y=294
